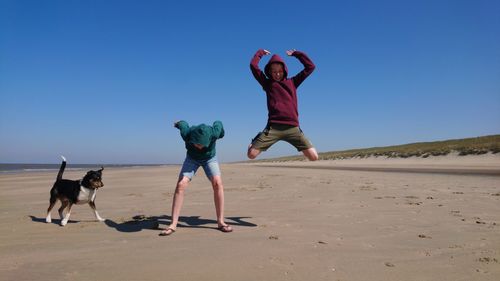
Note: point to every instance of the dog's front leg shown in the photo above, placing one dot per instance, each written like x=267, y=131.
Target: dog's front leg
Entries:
x=92, y=205
x=66, y=218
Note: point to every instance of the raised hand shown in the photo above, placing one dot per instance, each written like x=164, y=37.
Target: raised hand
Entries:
x=266, y=52
x=290, y=52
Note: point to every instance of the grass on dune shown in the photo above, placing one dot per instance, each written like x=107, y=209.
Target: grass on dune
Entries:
x=468, y=146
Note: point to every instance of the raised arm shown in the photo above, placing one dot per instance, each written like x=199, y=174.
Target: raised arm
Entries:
x=183, y=127
x=218, y=129
x=308, y=66
x=254, y=66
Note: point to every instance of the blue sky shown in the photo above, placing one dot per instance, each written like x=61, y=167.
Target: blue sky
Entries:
x=103, y=81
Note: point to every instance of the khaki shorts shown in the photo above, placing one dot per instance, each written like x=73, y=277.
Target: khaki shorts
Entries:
x=276, y=132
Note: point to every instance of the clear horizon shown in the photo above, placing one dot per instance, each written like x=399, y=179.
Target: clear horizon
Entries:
x=180, y=163
x=104, y=81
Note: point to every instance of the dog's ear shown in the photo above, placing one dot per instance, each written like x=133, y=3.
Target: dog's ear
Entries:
x=102, y=169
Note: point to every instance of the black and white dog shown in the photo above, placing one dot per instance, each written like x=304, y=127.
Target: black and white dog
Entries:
x=71, y=192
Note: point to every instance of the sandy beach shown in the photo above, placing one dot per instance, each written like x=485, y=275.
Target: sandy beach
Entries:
x=366, y=219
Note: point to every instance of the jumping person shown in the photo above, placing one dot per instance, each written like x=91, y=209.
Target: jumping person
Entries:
x=283, y=114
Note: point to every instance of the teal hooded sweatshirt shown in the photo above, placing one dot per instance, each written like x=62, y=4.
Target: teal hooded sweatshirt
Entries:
x=200, y=134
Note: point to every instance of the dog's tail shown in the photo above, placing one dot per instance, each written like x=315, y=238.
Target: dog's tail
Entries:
x=61, y=170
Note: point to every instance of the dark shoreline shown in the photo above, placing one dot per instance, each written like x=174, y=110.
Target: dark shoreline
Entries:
x=36, y=168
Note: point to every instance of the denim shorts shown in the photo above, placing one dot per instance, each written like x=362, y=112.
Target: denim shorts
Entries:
x=190, y=166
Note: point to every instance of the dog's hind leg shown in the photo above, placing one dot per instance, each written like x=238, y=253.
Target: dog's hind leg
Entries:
x=52, y=202
x=64, y=204
x=66, y=218
x=92, y=205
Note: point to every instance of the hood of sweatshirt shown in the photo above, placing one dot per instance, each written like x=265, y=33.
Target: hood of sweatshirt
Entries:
x=201, y=134
x=274, y=59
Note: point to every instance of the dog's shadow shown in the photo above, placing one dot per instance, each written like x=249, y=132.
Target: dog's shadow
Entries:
x=141, y=222
x=54, y=221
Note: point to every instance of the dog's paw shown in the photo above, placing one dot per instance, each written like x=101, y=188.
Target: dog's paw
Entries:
x=48, y=220
x=100, y=219
x=63, y=223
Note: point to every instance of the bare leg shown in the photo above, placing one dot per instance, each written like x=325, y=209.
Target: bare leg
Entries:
x=252, y=153
x=182, y=184
x=218, y=198
x=311, y=154
x=219, y=202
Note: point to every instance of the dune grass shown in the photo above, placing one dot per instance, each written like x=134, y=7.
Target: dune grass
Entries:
x=468, y=146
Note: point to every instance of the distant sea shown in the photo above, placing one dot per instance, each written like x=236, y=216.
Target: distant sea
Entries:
x=21, y=168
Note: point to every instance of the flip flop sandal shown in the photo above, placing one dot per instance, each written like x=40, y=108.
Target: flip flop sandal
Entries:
x=225, y=228
x=166, y=232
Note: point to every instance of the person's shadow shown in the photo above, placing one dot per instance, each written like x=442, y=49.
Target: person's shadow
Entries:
x=140, y=222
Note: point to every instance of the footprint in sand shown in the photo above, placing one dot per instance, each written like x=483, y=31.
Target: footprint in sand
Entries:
x=367, y=188
x=408, y=202
x=263, y=185
x=425, y=253
x=135, y=194
x=414, y=203
x=488, y=260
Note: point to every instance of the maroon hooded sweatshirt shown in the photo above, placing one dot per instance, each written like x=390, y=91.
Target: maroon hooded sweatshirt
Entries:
x=281, y=95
